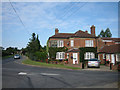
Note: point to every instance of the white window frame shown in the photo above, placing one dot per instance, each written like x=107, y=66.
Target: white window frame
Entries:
x=117, y=57
x=60, y=43
x=103, y=56
x=89, y=43
x=67, y=55
x=72, y=43
x=60, y=55
x=89, y=55
x=108, y=57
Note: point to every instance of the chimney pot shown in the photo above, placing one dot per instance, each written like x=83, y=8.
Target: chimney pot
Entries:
x=56, y=31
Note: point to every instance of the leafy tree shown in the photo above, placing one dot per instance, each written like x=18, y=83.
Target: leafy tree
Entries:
x=33, y=46
x=108, y=33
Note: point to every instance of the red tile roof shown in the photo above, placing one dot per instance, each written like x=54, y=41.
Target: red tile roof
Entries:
x=79, y=33
x=110, y=49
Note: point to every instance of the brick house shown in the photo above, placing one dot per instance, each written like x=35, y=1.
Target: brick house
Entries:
x=110, y=51
x=80, y=39
x=73, y=41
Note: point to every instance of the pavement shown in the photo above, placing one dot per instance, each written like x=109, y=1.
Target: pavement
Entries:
x=17, y=75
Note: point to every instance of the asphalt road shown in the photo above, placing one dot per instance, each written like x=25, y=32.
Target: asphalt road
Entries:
x=17, y=75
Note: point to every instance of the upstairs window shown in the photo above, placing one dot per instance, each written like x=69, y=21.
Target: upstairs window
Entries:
x=89, y=55
x=53, y=43
x=88, y=43
x=60, y=43
x=72, y=43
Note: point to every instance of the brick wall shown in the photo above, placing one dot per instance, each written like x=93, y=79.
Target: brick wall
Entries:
x=78, y=42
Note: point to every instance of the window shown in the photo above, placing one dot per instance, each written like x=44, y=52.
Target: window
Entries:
x=60, y=55
x=60, y=43
x=108, y=57
x=88, y=43
x=89, y=55
x=53, y=43
x=72, y=43
x=117, y=57
x=67, y=55
x=103, y=56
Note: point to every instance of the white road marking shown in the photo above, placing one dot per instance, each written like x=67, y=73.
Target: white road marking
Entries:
x=22, y=73
x=48, y=74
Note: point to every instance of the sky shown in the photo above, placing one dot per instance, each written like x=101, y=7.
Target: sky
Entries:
x=43, y=17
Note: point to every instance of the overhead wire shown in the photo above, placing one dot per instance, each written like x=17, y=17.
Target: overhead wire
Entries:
x=19, y=17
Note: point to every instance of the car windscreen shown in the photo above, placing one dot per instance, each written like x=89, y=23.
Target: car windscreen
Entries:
x=93, y=60
x=17, y=55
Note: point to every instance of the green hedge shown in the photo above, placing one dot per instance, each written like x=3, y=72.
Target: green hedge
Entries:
x=53, y=50
x=83, y=50
x=38, y=56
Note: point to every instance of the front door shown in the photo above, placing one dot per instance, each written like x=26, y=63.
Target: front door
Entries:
x=75, y=58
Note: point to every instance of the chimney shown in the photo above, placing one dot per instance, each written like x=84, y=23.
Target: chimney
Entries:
x=92, y=30
x=86, y=31
x=56, y=31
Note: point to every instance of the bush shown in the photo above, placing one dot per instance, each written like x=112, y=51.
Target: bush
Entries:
x=41, y=56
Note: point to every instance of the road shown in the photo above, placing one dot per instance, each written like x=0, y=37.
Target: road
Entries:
x=17, y=75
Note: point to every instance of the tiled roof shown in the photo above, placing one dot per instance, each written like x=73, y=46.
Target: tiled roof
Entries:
x=79, y=33
x=62, y=35
x=109, y=38
x=110, y=49
x=83, y=34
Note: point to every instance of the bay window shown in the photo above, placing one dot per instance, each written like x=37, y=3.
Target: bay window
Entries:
x=60, y=55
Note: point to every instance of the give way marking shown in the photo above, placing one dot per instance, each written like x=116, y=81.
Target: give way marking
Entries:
x=48, y=74
x=22, y=73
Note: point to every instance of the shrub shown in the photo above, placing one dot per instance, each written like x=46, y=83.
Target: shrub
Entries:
x=41, y=56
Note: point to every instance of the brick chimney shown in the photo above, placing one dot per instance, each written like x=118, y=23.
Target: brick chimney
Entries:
x=92, y=30
x=56, y=31
x=86, y=31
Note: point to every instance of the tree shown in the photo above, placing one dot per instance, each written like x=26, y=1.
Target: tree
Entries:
x=108, y=33
x=33, y=46
x=102, y=33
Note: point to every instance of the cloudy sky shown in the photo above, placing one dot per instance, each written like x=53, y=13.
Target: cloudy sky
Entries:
x=43, y=17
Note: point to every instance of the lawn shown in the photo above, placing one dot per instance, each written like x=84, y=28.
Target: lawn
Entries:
x=30, y=62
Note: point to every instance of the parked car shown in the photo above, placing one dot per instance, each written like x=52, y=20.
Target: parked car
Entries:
x=16, y=56
x=94, y=63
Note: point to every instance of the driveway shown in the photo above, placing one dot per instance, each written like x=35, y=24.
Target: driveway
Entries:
x=102, y=68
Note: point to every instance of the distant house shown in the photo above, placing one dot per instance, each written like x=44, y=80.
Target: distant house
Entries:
x=91, y=45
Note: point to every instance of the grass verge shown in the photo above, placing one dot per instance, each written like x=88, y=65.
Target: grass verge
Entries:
x=30, y=62
x=5, y=57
